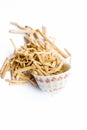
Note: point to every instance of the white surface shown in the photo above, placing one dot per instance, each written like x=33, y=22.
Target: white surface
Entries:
x=25, y=107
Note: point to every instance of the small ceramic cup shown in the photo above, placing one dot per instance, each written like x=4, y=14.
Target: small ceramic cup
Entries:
x=54, y=82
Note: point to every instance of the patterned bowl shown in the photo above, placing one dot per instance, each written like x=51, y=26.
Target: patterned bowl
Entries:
x=54, y=82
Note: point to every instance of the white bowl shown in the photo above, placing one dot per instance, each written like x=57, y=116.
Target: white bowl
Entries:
x=54, y=82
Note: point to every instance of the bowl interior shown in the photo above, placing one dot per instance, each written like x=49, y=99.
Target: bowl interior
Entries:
x=66, y=67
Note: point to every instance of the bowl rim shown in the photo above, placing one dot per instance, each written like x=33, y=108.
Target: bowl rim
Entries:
x=48, y=76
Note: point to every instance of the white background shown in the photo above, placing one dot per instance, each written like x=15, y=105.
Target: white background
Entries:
x=25, y=107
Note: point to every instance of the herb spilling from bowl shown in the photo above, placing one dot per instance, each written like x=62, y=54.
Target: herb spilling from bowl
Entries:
x=38, y=56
